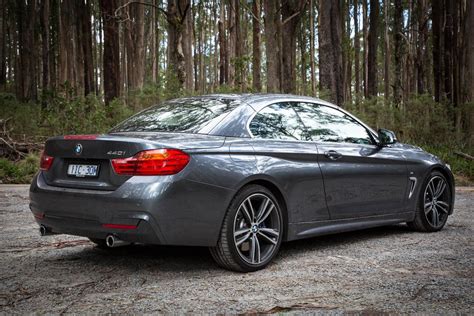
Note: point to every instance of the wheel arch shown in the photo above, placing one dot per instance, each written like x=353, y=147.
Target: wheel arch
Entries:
x=276, y=191
x=449, y=177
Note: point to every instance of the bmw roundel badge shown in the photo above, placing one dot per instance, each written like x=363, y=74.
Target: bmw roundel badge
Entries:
x=78, y=149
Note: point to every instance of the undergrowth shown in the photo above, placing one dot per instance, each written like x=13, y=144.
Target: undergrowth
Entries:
x=420, y=121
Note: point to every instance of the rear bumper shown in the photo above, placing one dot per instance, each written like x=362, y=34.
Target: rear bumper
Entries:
x=165, y=210
x=143, y=233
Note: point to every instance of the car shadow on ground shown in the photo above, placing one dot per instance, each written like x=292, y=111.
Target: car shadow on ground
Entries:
x=188, y=259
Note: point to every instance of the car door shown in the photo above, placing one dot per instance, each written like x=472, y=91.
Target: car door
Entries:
x=360, y=178
x=284, y=154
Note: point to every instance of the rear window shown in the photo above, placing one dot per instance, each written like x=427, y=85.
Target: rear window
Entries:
x=184, y=115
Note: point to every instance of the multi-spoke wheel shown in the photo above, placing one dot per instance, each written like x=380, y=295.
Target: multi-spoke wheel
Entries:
x=252, y=231
x=434, y=204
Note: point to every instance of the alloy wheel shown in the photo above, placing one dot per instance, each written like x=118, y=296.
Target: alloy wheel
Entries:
x=436, y=201
x=257, y=228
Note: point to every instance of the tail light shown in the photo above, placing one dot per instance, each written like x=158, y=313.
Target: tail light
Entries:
x=157, y=162
x=46, y=162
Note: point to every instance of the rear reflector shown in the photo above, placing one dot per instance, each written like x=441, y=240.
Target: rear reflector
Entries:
x=38, y=215
x=46, y=162
x=156, y=162
x=80, y=137
x=119, y=226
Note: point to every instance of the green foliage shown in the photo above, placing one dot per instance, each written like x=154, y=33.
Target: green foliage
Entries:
x=19, y=172
x=172, y=84
x=56, y=115
x=420, y=121
x=423, y=122
x=24, y=118
x=462, y=168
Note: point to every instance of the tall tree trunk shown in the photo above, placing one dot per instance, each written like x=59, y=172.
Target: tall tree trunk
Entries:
x=153, y=30
x=68, y=46
x=45, y=44
x=272, y=20
x=187, y=42
x=3, y=45
x=372, y=49
x=111, y=57
x=365, y=43
x=202, y=49
x=12, y=35
x=356, y=50
x=78, y=53
x=387, y=51
x=302, y=62
x=468, y=69
x=157, y=52
x=244, y=51
x=399, y=51
x=180, y=34
x=256, y=52
x=437, y=22
x=421, y=50
x=54, y=44
x=196, y=49
x=87, y=48
x=347, y=52
x=449, y=50
x=291, y=11
x=124, y=78
x=409, y=53
x=311, y=48
x=231, y=47
x=26, y=74
x=330, y=50
x=223, y=78
x=216, y=51
x=238, y=63
x=135, y=46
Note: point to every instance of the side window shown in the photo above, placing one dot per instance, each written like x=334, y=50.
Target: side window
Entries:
x=277, y=121
x=326, y=124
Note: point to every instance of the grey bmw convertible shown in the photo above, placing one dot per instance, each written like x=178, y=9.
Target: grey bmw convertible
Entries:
x=239, y=174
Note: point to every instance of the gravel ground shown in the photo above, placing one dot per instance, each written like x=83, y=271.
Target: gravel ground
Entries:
x=389, y=269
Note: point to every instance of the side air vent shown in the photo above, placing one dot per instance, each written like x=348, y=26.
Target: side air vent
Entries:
x=412, y=186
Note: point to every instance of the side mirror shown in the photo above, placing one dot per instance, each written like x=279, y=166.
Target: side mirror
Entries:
x=386, y=137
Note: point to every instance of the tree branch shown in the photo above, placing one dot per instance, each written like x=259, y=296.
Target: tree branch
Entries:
x=141, y=3
x=288, y=19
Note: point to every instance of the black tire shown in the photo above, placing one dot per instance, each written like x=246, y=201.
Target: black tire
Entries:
x=424, y=220
x=231, y=256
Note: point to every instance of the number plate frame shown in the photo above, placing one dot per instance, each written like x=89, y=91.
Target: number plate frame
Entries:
x=70, y=172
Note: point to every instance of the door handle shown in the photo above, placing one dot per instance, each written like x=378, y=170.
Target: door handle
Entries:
x=332, y=154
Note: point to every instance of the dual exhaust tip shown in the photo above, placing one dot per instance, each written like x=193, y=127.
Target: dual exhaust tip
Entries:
x=111, y=241
x=44, y=231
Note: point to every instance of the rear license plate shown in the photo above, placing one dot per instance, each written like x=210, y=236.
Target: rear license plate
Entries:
x=83, y=170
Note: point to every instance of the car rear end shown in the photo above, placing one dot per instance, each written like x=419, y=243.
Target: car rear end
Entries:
x=151, y=179
x=132, y=188
x=94, y=185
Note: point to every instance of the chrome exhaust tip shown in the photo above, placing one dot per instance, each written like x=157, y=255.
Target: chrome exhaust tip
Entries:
x=43, y=231
x=111, y=241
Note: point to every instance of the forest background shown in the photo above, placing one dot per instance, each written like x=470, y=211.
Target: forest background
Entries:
x=81, y=66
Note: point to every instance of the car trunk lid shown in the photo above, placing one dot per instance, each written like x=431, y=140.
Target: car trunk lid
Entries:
x=96, y=151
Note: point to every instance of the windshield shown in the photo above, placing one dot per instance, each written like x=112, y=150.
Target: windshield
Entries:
x=183, y=115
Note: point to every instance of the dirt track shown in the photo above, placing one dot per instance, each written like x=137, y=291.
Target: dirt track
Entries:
x=389, y=269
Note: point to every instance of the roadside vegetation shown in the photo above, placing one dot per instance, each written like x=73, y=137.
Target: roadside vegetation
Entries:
x=420, y=122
